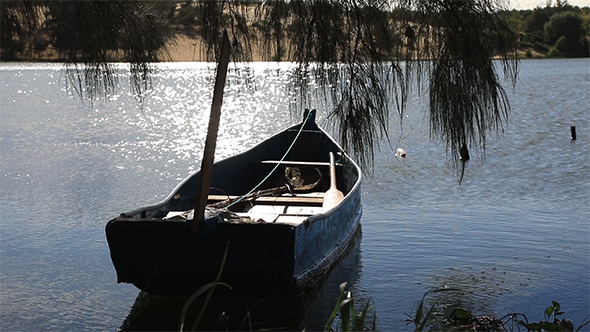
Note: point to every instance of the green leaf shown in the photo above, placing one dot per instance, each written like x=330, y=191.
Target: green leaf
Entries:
x=420, y=320
x=556, y=305
x=422, y=325
x=549, y=311
x=360, y=320
x=549, y=326
x=345, y=308
x=336, y=308
x=418, y=317
x=461, y=314
x=530, y=326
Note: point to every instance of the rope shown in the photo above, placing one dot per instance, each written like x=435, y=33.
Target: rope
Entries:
x=277, y=165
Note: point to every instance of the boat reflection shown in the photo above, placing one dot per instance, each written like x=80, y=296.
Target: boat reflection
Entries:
x=309, y=310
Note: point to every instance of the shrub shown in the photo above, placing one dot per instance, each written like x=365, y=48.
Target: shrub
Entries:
x=567, y=29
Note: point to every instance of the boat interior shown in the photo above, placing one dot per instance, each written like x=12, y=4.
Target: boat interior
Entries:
x=286, y=199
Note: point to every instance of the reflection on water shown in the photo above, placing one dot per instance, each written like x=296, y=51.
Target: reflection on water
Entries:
x=309, y=310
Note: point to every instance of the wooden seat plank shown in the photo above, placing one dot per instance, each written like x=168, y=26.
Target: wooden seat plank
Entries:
x=275, y=200
x=287, y=163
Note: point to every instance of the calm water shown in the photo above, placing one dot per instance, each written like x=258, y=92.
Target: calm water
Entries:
x=514, y=236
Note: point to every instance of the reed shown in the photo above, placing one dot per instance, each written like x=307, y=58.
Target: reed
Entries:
x=349, y=320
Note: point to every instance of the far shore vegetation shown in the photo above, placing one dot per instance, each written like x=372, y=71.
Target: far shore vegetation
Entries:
x=556, y=30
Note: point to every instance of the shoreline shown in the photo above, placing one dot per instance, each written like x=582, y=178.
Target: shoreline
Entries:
x=186, y=49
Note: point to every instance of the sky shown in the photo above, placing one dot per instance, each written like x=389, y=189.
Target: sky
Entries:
x=530, y=4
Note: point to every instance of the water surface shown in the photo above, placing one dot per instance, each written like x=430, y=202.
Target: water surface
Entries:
x=515, y=233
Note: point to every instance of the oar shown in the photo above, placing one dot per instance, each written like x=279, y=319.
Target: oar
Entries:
x=333, y=196
x=211, y=140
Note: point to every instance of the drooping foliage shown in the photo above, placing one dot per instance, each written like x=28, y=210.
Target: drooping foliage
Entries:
x=117, y=30
x=466, y=96
x=90, y=35
x=364, y=57
x=452, y=45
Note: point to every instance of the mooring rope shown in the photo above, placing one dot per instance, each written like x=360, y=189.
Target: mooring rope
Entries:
x=277, y=165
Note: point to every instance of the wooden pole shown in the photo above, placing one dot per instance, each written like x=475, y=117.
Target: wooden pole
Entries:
x=573, y=132
x=211, y=140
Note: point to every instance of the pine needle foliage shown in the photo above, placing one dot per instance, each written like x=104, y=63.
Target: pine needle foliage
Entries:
x=91, y=35
x=466, y=96
x=358, y=49
x=364, y=57
x=95, y=33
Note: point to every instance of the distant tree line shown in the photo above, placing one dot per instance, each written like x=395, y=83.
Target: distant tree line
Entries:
x=558, y=30
x=81, y=31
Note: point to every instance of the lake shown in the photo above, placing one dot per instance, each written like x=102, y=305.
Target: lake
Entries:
x=513, y=236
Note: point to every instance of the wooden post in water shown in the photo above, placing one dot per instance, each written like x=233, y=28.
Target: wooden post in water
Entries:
x=573, y=132
x=211, y=140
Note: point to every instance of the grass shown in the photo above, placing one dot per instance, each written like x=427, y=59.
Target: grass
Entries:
x=349, y=321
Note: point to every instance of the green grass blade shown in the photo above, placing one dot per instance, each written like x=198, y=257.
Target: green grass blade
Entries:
x=190, y=300
x=346, y=306
x=210, y=288
x=336, y=308
x=360, y=320
x=199, y=292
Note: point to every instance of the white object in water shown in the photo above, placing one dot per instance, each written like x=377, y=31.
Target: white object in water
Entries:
x=401, y=153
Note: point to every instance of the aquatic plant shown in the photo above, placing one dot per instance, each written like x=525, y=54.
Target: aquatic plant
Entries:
x=463, y=320
x=423, y=317
x=556, y=324
x=349, y=320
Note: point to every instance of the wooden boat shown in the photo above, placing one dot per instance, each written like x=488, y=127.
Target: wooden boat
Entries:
x=280, y=237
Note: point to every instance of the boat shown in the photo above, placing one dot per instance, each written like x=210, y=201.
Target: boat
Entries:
x=266, y=214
